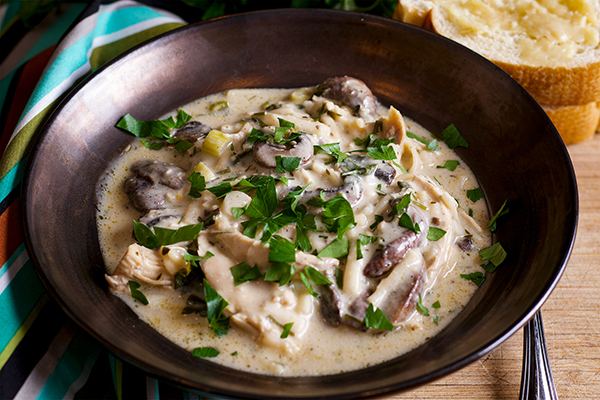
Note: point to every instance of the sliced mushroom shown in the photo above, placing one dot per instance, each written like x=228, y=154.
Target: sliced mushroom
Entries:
x=160, y=173
x=352, y=190
x=393, y=253
x=465, y=243
x=192, y=131
x=352, y=92
x=151, y=181
x=334, y=310
x=265, y=152
x=397, y=294
x=385, y=173
x=363, y=165
x=144, y=195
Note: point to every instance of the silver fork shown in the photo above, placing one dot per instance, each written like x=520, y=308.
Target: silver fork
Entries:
x=536, y=376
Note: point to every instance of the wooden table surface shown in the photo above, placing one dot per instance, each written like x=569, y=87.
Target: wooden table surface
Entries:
x=571, y=315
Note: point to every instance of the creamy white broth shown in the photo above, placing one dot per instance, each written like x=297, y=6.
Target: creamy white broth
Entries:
x=315, y=346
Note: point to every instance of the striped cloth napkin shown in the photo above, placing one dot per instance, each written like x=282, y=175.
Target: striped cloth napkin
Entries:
x=43, y=354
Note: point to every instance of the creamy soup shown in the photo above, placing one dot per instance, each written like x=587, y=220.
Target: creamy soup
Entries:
x=315, y=231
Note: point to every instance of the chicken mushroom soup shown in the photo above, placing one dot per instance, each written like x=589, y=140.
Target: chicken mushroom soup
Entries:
x=292, y=231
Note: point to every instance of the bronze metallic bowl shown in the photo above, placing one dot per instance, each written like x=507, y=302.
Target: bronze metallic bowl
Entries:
x=515, y=152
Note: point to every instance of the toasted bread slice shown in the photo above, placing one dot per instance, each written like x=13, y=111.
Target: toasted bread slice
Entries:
x=552, y=49
x=575, y=123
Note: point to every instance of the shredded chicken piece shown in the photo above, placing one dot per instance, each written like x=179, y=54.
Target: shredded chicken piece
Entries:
x=142, y=265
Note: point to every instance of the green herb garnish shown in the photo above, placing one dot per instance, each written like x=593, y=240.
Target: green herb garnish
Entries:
x=421, y=308
x=407, y=222
x=163, y=236
x=376, y=319
x=242, y=272
x=453, y=138
x=434, y=234
x=136, y=294
x=205, y=352
x=287, y=329
x=495, y=254
x=157, y=129
x=491, y=226
x=476, y=277
x=449, y=165
x=215, y=307
x=475, y=194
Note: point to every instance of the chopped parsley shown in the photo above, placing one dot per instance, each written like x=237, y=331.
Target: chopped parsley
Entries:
x=205, y=352
x=287, y=329
x=491, y=226
x=163, y=236
x=434, y=234
x=215, y=307
x=453, y=138
x=160, y=130
x=376, y=319
x=421, y=308
x=495, y=254
x=475, y=194
x=332, y=149
x=449, y=165
x=476, y=277
x=407, y=222
x=288, y=164
x=136, y=294
x=242, y=273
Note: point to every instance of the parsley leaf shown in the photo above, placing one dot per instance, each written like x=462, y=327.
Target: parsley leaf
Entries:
x=491, y=226
x=337, y=214
x=136, y=294
x=316, y=276
x=449, y=165
x=205, y=352
x=243, y=273
x=376, y=319
x=264, y=202
x=287, y=329
x=158, y=129
x=332, y=149
x=280, y=272
x=215, y=307
x=496, y=254
x=281, y=250
x=336, y=249
x=164, y=236
x=379, y=149
x=434, y=234
x=378, y=220
x=421, y=308
x=453, y=138
x=476, y=277
x=288, y=164
x=475, y=194
x=407, y=222
x=198, y=184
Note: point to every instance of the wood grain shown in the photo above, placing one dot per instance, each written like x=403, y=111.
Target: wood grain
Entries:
x=571, y=315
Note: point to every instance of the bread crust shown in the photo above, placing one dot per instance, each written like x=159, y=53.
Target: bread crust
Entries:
x=575, y=123
x=552, y=86
x=569, y=95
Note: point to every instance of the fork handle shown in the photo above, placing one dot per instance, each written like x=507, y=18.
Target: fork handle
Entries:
x=536, y=376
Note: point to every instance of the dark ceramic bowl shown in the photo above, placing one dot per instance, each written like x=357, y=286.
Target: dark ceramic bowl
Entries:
x=514, y=150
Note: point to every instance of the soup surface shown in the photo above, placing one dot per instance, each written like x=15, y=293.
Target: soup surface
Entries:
x=292, y=231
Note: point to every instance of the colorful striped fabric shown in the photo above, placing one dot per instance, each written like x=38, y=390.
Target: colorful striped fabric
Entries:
x=43, y=354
